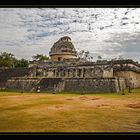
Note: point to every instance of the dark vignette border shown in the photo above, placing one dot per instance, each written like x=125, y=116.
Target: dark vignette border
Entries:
x=69, y=4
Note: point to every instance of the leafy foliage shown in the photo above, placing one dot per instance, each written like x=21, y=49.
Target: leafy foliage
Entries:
x=21, y=63
x=40, y=57
x=8, y=60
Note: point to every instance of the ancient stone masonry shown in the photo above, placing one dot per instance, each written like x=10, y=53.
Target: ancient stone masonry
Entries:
x=91, y=85
x=129, y=70
x=6, y=74
x=83, y=85
x=69, y=71
x=63, y=48
x=22, y=83
x=65, y=72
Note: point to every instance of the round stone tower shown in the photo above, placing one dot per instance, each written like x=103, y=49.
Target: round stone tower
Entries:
x=62, y=49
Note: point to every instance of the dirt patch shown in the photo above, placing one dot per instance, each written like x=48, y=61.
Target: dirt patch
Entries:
x=138, y=122
x=61, y=107
x=134, y=105
x=102, y=105
x=69, y=99
x=95, y=98
x=88, y=98
x=83, y=97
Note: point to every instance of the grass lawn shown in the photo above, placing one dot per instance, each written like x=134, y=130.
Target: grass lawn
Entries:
x=63, y=112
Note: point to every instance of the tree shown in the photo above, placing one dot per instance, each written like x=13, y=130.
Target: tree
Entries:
x=99, y=57
x=22, y=63
x=7, y=59
x=40, y=57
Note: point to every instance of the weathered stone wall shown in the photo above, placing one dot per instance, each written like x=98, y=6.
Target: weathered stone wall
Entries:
x=93, y=85
x=108, y=73
x=120, y=84
x=52, y=84
x=75, y=72
x=6, y=74
x=84, y=85
x=61, y=57
x=22, y=84
x=132, y=78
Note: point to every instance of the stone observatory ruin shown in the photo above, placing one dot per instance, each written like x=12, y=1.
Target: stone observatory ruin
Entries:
x=64, y=71
x=63, y=49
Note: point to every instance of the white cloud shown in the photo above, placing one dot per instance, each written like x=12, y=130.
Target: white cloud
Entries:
x=102, y=31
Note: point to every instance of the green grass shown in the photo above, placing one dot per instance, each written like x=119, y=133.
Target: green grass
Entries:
x=70, y=112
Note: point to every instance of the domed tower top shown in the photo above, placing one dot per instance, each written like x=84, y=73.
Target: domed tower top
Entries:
x=63, y=49
x=65, y=39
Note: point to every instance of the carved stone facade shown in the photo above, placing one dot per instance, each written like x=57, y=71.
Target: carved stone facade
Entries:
x=94, y=71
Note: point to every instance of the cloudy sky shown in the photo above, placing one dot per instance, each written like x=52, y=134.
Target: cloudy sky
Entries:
x=108, y=32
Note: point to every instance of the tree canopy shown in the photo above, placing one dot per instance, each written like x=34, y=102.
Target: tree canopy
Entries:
x=10, y=61
x=40, y=57
x=21, y=63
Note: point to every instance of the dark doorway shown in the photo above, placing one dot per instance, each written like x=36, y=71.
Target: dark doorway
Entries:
x=59, y=58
